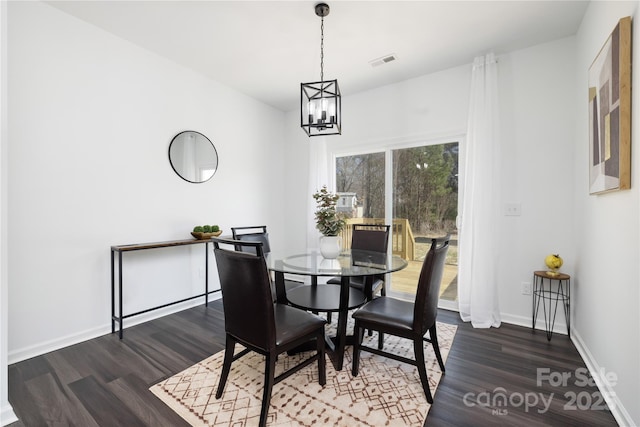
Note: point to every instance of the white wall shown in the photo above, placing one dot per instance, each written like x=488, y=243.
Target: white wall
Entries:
x=427, y=107
x=91, y=117
x=606, y=292
x=90, y=120
x=543, y=140
x=537, y=125
x=6, y=411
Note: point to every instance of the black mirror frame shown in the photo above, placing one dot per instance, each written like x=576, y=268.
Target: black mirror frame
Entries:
x=215, y=152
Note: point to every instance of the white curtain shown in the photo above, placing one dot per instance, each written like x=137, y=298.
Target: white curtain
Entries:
x=478, y=234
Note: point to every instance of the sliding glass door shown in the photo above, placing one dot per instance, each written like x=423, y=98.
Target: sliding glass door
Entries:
x=425, y=205
x=419, y=184
x=360, y=180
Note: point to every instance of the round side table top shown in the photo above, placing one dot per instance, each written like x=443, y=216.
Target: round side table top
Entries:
x=552, y=276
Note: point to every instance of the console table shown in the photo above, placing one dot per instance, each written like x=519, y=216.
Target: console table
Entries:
x=142, y=246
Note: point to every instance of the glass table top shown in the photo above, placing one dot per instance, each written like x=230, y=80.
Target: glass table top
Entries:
x=349, y=263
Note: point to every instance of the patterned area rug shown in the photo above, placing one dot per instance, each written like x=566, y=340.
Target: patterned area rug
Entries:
x=385, y=392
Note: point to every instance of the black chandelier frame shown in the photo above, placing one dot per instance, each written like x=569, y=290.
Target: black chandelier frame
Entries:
x=321, y=101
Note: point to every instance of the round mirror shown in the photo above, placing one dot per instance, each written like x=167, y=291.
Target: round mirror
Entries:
x=193, y=156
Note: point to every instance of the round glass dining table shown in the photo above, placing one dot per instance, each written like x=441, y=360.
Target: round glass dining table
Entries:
x=325, y=297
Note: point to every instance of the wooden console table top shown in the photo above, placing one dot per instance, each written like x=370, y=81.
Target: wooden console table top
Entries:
x=169, y=243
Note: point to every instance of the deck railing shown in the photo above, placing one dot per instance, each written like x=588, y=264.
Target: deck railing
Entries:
x=403, y=242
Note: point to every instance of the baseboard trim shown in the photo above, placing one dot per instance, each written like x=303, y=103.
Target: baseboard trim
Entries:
x=559, y=328
x=618, y=410
x=7, y=416
x=56, y=344
x=616, y=407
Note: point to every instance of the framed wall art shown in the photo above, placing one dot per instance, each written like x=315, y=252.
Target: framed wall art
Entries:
x=610, y=113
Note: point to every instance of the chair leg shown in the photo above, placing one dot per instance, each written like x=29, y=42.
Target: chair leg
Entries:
x=328, y=317
x=383, y=293
x=380, y=340
x=269, y=375
x=433, y=335
x=357, y=340
x=422, y=370
x=322, y=367
x=230, y=346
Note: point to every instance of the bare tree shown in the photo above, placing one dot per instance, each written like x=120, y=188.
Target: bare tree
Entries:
x=425, y=184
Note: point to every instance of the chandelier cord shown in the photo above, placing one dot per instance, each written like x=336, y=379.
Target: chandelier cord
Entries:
x=320, y=101
x=322, y=48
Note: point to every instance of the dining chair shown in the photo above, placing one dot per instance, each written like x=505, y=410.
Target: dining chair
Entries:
x=253, y=320
x=258, y=233
x=255, y=233
x=369, y=237
x=406, y=319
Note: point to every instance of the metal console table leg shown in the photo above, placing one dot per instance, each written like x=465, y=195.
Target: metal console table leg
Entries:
x=120, y=316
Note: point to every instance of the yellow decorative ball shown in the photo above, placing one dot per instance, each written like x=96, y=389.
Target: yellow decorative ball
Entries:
x=554, y=262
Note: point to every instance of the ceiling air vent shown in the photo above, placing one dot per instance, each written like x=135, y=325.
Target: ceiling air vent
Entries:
x=383, y=60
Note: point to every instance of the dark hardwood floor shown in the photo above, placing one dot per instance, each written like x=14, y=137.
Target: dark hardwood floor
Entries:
x=105, y=381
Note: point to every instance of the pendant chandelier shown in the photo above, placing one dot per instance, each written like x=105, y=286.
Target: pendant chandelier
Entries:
x=320, y=102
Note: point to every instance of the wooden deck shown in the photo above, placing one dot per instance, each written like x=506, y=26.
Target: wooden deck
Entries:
x=415, y=247
x=406, y=280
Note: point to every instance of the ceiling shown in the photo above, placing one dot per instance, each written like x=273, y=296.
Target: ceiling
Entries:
x=265, y=49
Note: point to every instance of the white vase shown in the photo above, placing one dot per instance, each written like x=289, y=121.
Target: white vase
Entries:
x=330, y=246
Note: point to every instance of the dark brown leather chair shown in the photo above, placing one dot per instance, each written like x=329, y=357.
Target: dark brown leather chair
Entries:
x=257, y=233
x=254, y=321
x=368, y=237
x=405, y=319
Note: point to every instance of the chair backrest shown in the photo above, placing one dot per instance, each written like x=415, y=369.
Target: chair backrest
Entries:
x=246, y=294
x=370, y=237
x=256, y=233
x=428, y=292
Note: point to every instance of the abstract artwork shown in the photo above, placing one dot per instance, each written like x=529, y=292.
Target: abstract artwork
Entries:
x=610, y=113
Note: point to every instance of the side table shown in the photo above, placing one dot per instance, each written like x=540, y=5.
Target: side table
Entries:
x=547, y=295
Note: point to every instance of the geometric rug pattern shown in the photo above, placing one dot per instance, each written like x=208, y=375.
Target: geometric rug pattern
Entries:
x=385, y=392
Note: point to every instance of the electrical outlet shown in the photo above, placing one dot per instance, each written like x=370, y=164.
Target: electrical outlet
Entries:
x=526, y=288
x=512, y=209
